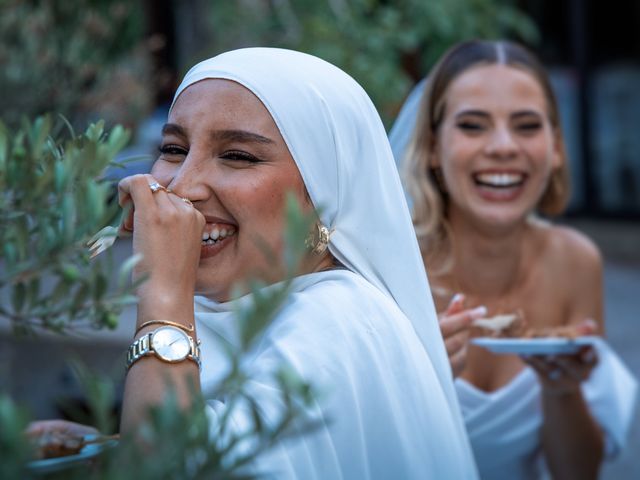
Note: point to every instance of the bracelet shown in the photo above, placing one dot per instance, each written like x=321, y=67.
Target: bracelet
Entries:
x=187, y=328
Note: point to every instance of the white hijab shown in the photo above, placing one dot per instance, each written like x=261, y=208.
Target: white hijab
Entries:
x=354, y=182
x=405, y=125
x=339, y=144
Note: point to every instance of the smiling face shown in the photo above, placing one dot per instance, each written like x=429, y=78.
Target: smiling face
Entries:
x=222, y=150
x=496, y=146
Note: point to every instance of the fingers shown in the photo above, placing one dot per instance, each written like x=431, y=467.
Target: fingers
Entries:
x=457, y=342
x=456, y=304
x=132, y=191
x=41, y=427
x=136, y=189
x=143, y=192
x=563, y=373
x=588, y=356
x=458, y=360
x=587, y=327
x=452, y=324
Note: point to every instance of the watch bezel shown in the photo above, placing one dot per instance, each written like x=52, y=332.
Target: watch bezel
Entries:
x=183, y=338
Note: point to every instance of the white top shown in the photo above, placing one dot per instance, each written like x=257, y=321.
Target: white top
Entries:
x=382, y=415
x=504, y=425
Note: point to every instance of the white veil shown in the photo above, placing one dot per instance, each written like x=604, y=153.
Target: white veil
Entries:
x=405, y=123
x=353, y=176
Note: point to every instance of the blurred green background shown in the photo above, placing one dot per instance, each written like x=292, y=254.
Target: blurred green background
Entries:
x=121, y=61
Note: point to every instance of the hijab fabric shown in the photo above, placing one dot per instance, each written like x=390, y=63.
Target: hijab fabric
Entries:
x=339, y=144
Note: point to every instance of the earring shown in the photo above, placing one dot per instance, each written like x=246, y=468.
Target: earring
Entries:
x=318, y=241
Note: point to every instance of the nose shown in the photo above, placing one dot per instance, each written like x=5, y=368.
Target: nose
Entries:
x=189, y=180
x=501, y=143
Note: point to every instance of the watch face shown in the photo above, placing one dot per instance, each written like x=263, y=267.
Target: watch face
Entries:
x=171, y=344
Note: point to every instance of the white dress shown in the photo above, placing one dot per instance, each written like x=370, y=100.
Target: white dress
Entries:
x=504, y=425
x=384, y=414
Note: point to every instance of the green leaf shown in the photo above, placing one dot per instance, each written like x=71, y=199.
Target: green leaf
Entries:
x=18, y=297
x=100, y=286
x=80, y=297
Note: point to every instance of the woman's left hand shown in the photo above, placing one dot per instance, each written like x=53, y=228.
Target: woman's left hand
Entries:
x=562, y=374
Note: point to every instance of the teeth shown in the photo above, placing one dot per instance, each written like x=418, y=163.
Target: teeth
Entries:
x=499, y=179
x=217, y=233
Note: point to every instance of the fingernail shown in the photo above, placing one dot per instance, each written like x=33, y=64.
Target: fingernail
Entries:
x=591, y=324
x=457, y=298
x=478, y=312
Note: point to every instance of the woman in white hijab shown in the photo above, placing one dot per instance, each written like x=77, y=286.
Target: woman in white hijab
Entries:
x=245, y=128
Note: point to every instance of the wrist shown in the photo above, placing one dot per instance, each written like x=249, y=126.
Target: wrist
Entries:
x=169, y=291
x=561, y=392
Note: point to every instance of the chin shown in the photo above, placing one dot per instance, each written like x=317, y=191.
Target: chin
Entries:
x=210, y=287
x=502, y=218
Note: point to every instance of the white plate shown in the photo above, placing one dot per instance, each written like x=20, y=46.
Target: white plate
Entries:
x=533, y=346
x=48, y=465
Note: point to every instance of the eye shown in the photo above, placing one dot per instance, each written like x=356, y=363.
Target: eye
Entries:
x=469, y=126
x=172, y=150
x=238, y=155
x=529, y=127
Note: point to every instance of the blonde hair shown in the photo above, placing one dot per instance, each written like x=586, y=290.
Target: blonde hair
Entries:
x=422, y=180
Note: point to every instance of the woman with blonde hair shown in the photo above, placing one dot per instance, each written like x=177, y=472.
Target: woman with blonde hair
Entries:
x=486, y=160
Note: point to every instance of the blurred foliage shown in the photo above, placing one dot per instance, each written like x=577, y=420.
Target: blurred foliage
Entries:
x=51, y=202
x=178, y=443
x=381, y=43
x=14, y=447
x=84, y=59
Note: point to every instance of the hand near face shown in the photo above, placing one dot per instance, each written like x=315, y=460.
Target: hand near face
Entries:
x=563, y=374
x=455, y=323
x=167, y=231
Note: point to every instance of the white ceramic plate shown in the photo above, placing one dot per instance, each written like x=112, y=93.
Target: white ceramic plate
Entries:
x=48, y=465
x=533, y=346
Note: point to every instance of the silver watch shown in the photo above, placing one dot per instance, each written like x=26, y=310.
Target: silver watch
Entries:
x=169, y=344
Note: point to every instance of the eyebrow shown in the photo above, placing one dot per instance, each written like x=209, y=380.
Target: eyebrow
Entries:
x=475, y=113
x=481, y=113
x=241, y=136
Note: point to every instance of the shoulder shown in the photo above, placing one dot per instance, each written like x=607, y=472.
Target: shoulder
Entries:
x=562, y=248
x=341, y=294
x=570, y=248
x=571, y=266
x=336, y=318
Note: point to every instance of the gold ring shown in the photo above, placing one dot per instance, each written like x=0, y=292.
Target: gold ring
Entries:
x=156, y=187
x=187, y=201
